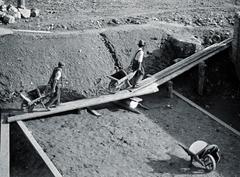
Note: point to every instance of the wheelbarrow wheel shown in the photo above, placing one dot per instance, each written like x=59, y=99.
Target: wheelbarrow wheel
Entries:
x=209, y=162
x=112, y=87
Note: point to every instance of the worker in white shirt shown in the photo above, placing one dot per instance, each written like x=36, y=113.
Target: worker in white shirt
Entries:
x=54, y=82
x=137, y=64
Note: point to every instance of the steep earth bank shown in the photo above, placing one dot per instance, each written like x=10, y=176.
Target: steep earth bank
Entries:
x=28, y=59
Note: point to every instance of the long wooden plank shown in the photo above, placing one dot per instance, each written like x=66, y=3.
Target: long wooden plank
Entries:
x=206, y=112
x=4, y=147
x=39, y=150
x=85, y=103
x=184, y=65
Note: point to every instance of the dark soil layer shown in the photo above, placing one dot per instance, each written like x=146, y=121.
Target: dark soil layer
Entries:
x=121, y=143
x=221, y=92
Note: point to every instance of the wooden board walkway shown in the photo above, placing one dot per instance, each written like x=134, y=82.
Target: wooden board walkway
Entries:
x=147, y=86
x=73, y=105
x=4, y=147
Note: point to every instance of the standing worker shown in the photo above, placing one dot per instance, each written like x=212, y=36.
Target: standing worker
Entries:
x=137, y=65
x=55, y=81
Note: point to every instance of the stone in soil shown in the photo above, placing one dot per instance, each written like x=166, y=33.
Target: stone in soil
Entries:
x=26, y=13
x=8, y=19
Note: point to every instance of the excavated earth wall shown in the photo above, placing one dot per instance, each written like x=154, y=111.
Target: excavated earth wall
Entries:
x=27, y=59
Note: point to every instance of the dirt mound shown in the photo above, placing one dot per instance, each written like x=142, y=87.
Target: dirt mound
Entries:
x=28, y=59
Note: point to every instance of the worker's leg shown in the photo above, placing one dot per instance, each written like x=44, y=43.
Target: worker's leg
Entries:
x=58, y=96
x=52, y=100
x=138, y=77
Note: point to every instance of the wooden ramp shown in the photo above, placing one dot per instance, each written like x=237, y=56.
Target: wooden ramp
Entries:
x=147, y=86
x=84, y=103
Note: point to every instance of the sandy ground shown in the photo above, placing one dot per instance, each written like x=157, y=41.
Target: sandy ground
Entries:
x=121, y=143
x=78, y=15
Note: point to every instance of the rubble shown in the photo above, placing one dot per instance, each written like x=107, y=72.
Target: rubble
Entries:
x=35, y=12
x=9, y=13
x=25, y=13
x=8, y=19
x=13, y=11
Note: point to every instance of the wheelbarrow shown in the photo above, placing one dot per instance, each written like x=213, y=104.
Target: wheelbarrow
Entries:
x=203, y=153
x=120, y=80
x=34, y=97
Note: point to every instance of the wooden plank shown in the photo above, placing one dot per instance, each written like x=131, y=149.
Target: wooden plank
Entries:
x=39, y=150
x=83, y=103
x=31, y=31
x=184, y=65
x=4, y=147
x=206, y=112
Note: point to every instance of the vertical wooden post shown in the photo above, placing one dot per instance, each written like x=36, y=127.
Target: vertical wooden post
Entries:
x=236, y=44
x=170, y=89
x=21, y=4
x=201, y=77
x=4, y=146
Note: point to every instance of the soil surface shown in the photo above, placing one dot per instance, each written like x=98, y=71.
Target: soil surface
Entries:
x=121, y=143
x=78, y=15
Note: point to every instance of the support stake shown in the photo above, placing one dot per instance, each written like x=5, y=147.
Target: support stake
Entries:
x=170, y=89
x=201, y=77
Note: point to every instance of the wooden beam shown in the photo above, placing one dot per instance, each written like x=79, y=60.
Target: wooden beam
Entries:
x=206, y=112
x=4, y=147
x=39, y=150
x=184, y=65
x=83, y=103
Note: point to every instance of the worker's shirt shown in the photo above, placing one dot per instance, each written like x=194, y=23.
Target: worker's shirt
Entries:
x=139, y=55
x=138, y=58
x=58, y=75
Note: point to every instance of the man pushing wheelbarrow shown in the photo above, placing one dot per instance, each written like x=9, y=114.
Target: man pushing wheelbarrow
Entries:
x=130, y=77
x=55, y=81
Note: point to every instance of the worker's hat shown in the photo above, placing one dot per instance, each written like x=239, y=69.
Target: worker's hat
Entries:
x=141, y=43
x=60, y=64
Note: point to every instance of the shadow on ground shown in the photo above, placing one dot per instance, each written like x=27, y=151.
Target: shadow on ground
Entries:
x=174, y=165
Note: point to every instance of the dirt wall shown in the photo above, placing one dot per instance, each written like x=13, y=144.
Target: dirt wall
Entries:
x=27, y=60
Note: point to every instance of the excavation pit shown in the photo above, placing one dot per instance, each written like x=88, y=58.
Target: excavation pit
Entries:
x=119, y=143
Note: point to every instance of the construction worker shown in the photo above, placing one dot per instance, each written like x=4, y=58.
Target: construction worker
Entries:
x=55, y=81
x=137, y=65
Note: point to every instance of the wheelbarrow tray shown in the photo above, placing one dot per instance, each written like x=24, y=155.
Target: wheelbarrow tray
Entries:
x=34, y=97
x=121, y=76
